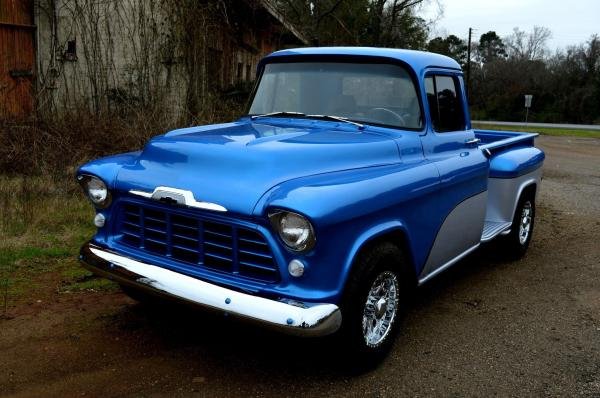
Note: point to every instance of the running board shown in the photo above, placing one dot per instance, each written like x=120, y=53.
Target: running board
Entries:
x=447, y=265
x=491, y=229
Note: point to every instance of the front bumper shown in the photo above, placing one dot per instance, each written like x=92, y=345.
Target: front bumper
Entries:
x=305, y=319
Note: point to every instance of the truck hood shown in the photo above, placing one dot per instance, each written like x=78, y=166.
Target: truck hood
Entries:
x=234, y=164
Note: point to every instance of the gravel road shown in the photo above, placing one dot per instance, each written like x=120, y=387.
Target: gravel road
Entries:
x=486, y=327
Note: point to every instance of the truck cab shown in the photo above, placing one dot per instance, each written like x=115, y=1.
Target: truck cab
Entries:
x=354, y=176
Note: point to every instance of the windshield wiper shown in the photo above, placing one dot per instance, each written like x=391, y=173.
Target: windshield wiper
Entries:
x=280, y=113
x=337, y=118
x=329, y=117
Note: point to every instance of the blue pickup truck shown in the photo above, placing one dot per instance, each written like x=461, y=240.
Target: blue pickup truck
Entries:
x=354, y=177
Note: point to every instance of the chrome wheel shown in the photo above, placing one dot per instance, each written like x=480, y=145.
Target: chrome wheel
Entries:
x=380, y=309
x=525, y=222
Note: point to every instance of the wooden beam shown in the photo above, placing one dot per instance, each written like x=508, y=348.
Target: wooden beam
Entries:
x=18, y=25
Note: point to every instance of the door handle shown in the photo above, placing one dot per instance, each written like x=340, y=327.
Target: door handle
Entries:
x=472, y=142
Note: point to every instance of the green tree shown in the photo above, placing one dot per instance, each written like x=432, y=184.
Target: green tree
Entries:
x=490, y=47
x=452, y=46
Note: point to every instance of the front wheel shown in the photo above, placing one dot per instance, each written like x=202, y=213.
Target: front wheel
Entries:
x=380, y=309
x=517, y=241
x=373, y=306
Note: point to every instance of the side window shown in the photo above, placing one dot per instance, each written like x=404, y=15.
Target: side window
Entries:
x=445, y=103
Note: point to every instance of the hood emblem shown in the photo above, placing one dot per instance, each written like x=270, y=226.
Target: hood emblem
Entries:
x=179, y=197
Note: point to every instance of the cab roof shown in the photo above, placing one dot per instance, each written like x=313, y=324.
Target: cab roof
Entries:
x=418, y=60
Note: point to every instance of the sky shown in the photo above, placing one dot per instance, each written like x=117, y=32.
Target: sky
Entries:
x=571, y=21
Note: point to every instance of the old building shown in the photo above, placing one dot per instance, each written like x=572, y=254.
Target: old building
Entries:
x=107, y=55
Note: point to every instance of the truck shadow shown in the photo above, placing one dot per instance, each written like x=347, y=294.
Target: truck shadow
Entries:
x=221, y=342
x=473, y=267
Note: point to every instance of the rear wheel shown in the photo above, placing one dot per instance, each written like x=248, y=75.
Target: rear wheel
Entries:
x=517, y=241
x=372, y=306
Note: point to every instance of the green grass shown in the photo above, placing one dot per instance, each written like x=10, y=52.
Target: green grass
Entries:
x=78, y=279
x=542, y=130
x=43, y=222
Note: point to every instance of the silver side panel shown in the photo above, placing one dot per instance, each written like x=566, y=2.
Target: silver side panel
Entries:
x=460, y=232
x=447, y=265
x=504, y=194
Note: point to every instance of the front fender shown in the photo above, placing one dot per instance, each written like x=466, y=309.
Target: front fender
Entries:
x=372, y=234
x=349, y=208
x=108, y=167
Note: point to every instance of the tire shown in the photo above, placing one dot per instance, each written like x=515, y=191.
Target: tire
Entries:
x=516, y=243
x=366, y=308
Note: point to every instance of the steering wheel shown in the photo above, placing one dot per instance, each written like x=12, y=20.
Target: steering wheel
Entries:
x=386, y=113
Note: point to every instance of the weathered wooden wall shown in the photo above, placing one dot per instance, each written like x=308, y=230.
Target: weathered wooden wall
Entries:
x=172, y=57
x=17, y=57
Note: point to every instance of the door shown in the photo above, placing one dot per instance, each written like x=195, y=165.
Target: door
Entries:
x=450, y=143
x=17, y=57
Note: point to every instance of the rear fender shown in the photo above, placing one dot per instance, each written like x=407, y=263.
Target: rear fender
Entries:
x=511, y=172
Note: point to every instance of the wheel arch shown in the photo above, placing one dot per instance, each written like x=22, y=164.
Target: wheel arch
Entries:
x=528, y=187
x=394, y=232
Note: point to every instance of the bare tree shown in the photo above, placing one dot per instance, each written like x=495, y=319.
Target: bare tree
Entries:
x=389, y=23
x=528, y=46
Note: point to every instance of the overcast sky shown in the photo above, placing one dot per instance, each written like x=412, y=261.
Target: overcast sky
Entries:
x=571, y=21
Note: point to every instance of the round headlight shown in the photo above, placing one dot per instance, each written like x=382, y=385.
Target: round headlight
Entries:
x=96, y=190
x=294, y=230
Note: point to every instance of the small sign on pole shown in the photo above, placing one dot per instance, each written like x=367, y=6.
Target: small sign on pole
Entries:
x=528, y=98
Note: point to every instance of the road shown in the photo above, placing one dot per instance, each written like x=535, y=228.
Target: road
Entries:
x=486, y=327
x=543, y=125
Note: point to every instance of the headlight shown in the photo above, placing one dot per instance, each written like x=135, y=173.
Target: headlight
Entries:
x=95, y=189
x=293, y=229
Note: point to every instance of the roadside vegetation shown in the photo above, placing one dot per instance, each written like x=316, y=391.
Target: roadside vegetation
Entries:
x=541, y=130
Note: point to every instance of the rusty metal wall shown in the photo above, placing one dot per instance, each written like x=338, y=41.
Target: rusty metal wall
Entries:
x=17, y=57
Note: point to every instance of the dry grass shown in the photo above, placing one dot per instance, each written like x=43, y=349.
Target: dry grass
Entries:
x=57, y=145
x=44, y=218
x=43, y=221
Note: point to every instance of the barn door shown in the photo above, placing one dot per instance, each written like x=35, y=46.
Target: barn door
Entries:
x=17, y=57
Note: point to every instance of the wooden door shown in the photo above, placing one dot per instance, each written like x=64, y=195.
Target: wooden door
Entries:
x=17, y=58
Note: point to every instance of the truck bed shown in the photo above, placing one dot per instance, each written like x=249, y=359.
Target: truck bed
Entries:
x=514, y=162
x=494, y=140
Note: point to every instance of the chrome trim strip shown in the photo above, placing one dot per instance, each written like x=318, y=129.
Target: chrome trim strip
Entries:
x=180, y=196
x=304, y=319
x=447, y=265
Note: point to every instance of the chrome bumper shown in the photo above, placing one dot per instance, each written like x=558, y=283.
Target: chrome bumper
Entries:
x=305, y=320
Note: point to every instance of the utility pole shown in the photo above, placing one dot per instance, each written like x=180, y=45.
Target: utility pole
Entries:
x=469, y=64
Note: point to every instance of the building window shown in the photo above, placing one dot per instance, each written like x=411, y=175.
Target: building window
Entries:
x=248, y=73
x=71, y=51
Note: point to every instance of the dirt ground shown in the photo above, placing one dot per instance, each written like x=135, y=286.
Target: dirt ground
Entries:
x=486, y=327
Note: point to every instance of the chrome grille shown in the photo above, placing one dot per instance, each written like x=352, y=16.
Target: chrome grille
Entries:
x=196, y=241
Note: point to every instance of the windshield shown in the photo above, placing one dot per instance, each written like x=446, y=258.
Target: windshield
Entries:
x=371, y=93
